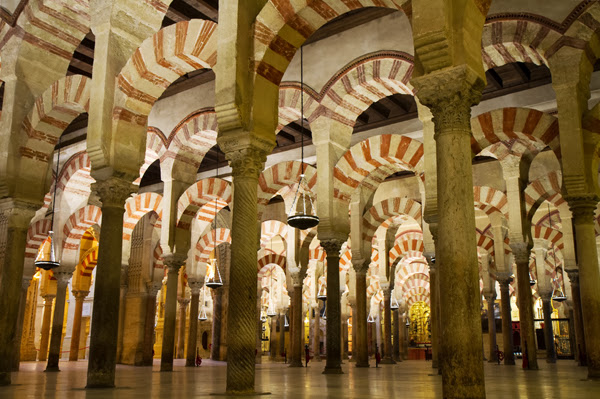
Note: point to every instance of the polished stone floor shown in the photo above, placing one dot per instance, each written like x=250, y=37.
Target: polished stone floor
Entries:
x=409, y=379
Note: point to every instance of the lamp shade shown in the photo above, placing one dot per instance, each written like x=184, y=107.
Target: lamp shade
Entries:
x=213, y=278
x=46, y=258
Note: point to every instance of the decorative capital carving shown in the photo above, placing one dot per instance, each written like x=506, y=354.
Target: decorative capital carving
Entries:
x=573, y=276
x=504, y=279
x=183, y=302
x=247, y=162
x=174, y=262
x=114, y=191
x=545, y=295
x=153, y=287
x=195, y=286
x=332, y=247
x=80, y=294
x=63, y=276
x=18, y=214
x=521, y=251
x=490, y=296
x=361, y=266
x=25, y=283
x=583, y=208
x=449, y=94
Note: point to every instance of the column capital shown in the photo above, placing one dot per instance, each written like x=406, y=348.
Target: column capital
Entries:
x=545, y=295
x=26, y=282
x=360, y=266
x=521, y=251
x=183, y=302
x=504, y=278
x=18, y=213
x=490, y=296
x=114, y=191
x=573, y=276
x=249, y=161
x=195, y=286
x=582, y=207
x=449, y=94
x=153, y=287
x=79, y=294
x=48, y=298
x=63, y=276
x=174, y=262
x=332, y=246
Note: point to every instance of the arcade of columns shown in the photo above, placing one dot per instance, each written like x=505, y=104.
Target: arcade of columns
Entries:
x=142, y=255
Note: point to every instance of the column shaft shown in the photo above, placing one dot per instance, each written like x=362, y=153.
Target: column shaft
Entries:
x=507, y=338
x=397, y=344
x=19, y=329
x=190, y=360
x=281, y=336
x=493, y=358
x=215, y=352
x=296, y=324
x=57, y=322
x=578, y=318
x=387, y=358
x=589, y=284
x=76, y=332
x=182, y=322
x=435, y=327
x=360, y=348
x=548, y=330
x=334, y=318
x=168, y=343
x=147, y=356
x=45, y=333
x=526, y=308
x=317, y=334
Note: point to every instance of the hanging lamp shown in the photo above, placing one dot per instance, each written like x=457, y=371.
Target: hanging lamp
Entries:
x=558, y=294
x=214, y=280
x=322, y=294
x=263, y=315
x=531, y=279
x=324, y=315
x=46, y=258
x=286, y=323
x=270, y=310
x=370, y=318
x=301, y=219
x=394, y=305
x=202, y=316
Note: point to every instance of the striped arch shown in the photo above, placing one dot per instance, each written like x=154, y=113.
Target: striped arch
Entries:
x=540, y=190
x=346, y=260
x=516, y=40
x=490, y=200
x=161, y=59
x=198, y=195
x=409, y=266
x=279, y=21
x=157, y=257
x=317, y=254
x=36, y=235
x=279, y=260
x=511, y=123
x=290, y=106
x=415, y=281
x=271, y=228
x=75, y=228
x=155, y=149
x=77, y=172
x=410, y=240
x=583, y=34
x=206, y=244
x=283, y=174
x=136, y=207
x=192, y=139
x=367, y=82
x=373, y=159
x=485, y=242
x=415, y=295
x=383, y=210
x=548, y=234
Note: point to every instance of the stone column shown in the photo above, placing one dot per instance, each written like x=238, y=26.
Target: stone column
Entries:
x=587, y=256
x=62, y=281
x=281, y=334
x=28, y=350
x=25, y=282
x=215, y=353
x=577, y=317
x=334, y=315
x=353, y=307
x=173, y=263
x=317, y=334
x=404, y=337
x=491, y=298
x=434, y=300
x=122, y=312
x=183, y=303
x=397, y=344
x=548, y=330
x=297, y=325
x=195, y=286
x=387, y=355
x=449, y=94
x=76, y=333
x=45, y=333
x=15, y=217
x=105, y=317
x=246, y=165
x=152, y=289
x=521, y=254
x=273, y=343
x=360, y=346
x=504, y=280
x=345, y=338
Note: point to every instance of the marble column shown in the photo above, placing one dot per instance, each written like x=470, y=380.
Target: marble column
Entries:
x=353, y=307
x=296, y=324
x=45, y=333
x=577, y=317
x=317, y=333
x=183, y=303
x=521, y=254
x=397, y=344
x=173, y=263
x=274, y=339
x=25, y=282
x=404, y=337
x=76, y=332
x=215, y=352
x=15, y=217
x=360, y=348
x=246, y=165
x=449, y=94
x=334, y=315
x=504, y=280
x=490, y=297
x=387, y=355
x=195, y=286
x=548, y=330
x=434, y=299
x=105, y=317
x=589, y=284
x=281, y=335
x=152, y=291
x=28, y=349
x=62, y=281
x=121, y=324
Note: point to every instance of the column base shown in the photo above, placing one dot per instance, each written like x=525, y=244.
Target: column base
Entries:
x=388, y=360
x=166, y=367
x=362, y=365
x=509, y=362
x=190, y=363
x=593, y=374
x=240, y=393
x=493, y=361
x=333, y=370
x=52, y=369
x=100, y=380
x=296, y=364
x=351, y=360
x=4, y=378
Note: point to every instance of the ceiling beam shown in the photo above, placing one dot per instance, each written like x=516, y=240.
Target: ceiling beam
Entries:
x=205, y=8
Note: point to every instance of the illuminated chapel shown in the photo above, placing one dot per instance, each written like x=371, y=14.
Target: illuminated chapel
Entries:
x=307, y=198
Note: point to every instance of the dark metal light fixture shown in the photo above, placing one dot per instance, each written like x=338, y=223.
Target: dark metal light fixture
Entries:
x=214, y=280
